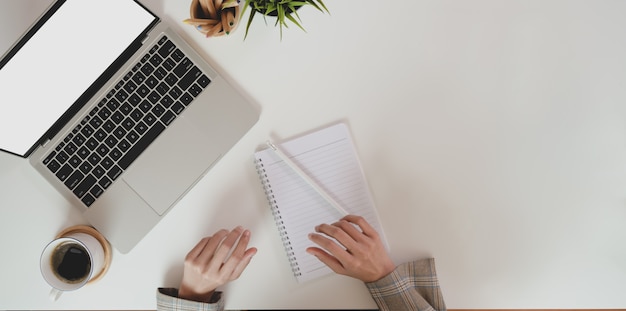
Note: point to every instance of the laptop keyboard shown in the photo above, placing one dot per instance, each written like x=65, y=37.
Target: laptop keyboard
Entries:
x=141, y=105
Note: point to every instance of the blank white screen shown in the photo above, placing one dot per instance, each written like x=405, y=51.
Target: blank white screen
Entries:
x=60, y=62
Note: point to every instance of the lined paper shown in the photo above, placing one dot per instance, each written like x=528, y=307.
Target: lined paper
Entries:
x=328, y=156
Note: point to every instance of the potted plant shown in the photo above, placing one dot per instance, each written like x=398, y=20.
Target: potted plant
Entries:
x=285, y=11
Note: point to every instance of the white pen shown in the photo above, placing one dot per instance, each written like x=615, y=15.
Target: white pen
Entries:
x=306, y=178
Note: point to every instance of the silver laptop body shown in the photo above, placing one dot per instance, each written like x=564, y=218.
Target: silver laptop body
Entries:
x=196, y=127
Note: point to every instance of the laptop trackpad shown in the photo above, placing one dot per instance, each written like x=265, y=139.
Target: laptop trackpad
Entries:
x=171, y=165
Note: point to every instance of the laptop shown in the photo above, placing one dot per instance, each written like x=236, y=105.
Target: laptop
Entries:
x=113, y=109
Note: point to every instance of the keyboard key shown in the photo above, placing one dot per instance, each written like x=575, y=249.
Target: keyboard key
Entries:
x=132, y=137
x=175, y=92
x=162, y=88
x=74, y=179
x=94, y=159
x=64, y=172
x=136, y=114
x=70, y=148
x=155, y=60
x=115, y=154
x=113, y=104
x=167, y=48
x=96, y=191
x=53, y=166
x=160, y=73
x=138, y=78
x=177, y=55
x=141, y=128
x=195, y=90
x=151, y=82
x=186, y=99
x=88, y=200
x=141, y=145
x=204, y=81
x=105, y=182
x=49, y=158
x=178, y=108
x=100, y=135
x=95, y=122
x=111, y=141
x=98, y=171
x=84, y=186
x=183, y=67
x=115, y=172
x=126, y=108
x=83, y=152
x=85, y=167
x=102, y=150
x=154, y=97
x=108, y=126
x=87, y=131
x=166, y=101
x=79, y=139
x=117, y=117
x=107, y=163
x=128, y=123
x=62, y=157
x=92, y=143
x=147, y=69
x=123, y=145
x=104, y=113
x=189, y=78
x=149, y=119
x=168, y=117
x=143, y=91
x=158, y=110
x=75, y=161
x=119, y=132
x=168, y=64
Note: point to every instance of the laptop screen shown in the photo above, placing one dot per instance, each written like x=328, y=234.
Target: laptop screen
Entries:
x=59, y=62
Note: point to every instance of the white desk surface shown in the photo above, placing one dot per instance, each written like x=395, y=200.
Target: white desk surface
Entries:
x=492, y=133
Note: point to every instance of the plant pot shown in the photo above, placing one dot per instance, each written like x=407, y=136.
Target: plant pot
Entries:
x=212, y=21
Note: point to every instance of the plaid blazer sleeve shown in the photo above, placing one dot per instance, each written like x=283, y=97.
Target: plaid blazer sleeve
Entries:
x=411, y=286
x=167, y=300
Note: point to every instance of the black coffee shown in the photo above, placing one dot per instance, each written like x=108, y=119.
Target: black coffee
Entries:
x=71, y=263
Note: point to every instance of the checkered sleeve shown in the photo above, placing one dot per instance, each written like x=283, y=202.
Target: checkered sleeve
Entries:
x=411, y=286
x=167, y=300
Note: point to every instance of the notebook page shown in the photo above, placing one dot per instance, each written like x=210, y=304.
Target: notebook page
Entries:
x=328, y=157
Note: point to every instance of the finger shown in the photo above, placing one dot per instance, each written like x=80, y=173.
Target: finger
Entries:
x=338, y=234
x=243, y=263
x=332, y=262
x=196, y=250
x=351, y=230
x=227, y=244
x=238, y=253
x=330, y=246
x=367, y=229
x=208, y=251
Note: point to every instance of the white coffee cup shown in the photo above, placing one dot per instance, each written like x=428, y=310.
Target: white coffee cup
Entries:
x=70, y=262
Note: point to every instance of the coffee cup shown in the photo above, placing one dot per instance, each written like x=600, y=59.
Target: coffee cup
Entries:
x=71, y=261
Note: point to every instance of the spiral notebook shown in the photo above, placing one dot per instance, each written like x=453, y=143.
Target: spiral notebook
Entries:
x=329, y=157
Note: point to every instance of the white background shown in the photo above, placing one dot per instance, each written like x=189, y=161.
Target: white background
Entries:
x=492, y=133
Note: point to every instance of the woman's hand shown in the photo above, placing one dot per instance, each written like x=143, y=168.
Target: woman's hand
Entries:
x=208, y=266
x=360, y=254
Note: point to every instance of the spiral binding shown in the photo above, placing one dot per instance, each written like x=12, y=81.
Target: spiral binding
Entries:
x=282, y=230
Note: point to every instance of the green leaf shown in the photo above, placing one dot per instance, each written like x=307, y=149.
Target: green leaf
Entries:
x=252, y=13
